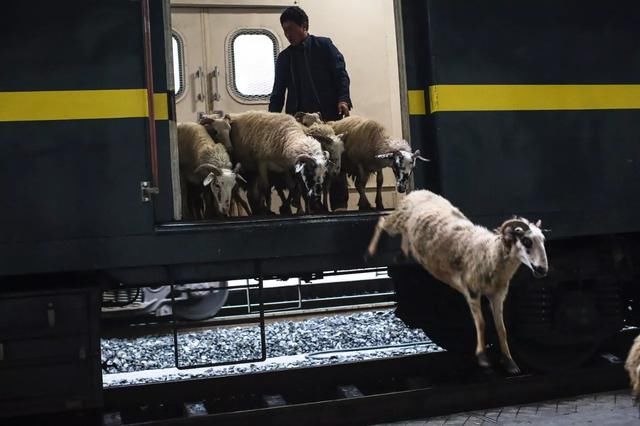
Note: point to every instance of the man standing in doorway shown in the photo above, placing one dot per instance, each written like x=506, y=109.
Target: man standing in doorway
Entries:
x=313, y=73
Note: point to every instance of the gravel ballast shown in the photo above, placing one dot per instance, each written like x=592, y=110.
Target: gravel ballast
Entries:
x=289, y=344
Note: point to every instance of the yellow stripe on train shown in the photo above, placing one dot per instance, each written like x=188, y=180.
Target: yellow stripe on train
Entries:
x=498, y=97
x=80, y=105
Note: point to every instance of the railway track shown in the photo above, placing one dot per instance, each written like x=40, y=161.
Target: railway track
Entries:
x=366, y=392
x=285, y=302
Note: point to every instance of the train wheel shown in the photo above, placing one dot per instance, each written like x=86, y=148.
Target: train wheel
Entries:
x=548, y=359
x=203, y=302
x=443, y=314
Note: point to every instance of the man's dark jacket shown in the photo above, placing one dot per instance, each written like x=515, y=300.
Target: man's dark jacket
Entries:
x=314, y=76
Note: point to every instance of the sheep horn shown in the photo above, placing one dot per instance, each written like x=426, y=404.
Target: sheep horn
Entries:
x=516, y=225
x=208, y=168
x=416, y=156
x=304, y=158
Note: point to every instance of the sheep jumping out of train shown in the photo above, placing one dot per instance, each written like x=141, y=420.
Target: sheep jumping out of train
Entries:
x=468, y=257
x=369, y=148
x=273, y=142
x=632, y=365
x=204, y=163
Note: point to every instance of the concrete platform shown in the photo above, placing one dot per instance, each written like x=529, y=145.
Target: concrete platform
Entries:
x=602, y=409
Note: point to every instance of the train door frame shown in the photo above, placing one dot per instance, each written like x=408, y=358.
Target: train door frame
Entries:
x=398, y=51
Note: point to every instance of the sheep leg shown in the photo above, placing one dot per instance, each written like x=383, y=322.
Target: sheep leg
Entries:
x=379, y=181
x=339, y=192
x=254, y=197
x=361, y=181
x=497, y=303
x=239, y=202
x=475, y=305
x=325, y=193
x=184, y=192
x=285, y=207
x=373, y=245
x=263, y=189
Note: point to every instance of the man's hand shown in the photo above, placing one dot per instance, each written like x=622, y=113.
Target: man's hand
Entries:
x=343, y=108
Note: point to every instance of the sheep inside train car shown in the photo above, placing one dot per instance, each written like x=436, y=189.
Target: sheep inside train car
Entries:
x=468, y=257
x=266, y=142
x=314, y=126
x=205, y=164
x=369, y=148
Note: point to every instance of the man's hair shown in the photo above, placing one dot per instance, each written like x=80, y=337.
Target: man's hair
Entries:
x=295, y=14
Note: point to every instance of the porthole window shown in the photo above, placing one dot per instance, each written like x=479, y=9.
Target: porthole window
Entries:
x=252, y=61
x=178, y=64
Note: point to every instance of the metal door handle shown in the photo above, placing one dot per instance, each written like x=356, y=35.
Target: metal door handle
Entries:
x=200, y=76
x=215, y=93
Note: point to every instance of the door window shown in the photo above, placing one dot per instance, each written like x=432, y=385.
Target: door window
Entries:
x=252, y=54
x=178, y=64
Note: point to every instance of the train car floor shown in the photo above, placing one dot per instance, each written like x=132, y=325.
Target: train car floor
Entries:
x=602, y=409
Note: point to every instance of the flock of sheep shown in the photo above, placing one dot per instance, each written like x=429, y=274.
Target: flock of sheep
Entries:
x=250, y=154
x=255, y=152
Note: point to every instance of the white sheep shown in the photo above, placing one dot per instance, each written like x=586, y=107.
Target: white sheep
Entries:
x=468, y=257
x=204, y=163
x=219, y=129
x=308, y=118
x=332, y=143
x=632, y=365
x=368, y=149
x=273, y=142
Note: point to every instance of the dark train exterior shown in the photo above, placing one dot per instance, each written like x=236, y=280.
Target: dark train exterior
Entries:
x=524, y=107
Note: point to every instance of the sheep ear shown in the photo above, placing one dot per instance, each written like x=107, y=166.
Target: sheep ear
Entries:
x=299, y=116
x=227, y=118
x=237, y=168
x=210, y=178
x=341, y=135
x=385, y=156
x=539, y=223
x=241, y=179
x=299, y=167
x=326, y=155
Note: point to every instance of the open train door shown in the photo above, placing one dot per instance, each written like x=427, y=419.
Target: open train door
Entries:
x=228, y=54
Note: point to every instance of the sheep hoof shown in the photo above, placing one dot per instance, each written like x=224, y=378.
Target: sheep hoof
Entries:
x=286, y=211
x=483, y=360
x=509, y=365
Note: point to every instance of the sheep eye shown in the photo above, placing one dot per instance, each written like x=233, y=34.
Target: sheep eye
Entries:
x=526, y=242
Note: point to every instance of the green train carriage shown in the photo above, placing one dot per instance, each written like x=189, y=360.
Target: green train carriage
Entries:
x=527, y=108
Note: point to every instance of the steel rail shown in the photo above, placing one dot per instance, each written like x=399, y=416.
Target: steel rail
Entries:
x=355, y=393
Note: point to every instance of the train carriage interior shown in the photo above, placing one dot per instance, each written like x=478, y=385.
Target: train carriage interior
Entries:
x=223, y=61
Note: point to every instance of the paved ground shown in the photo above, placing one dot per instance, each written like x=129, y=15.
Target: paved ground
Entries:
x=602, y=409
